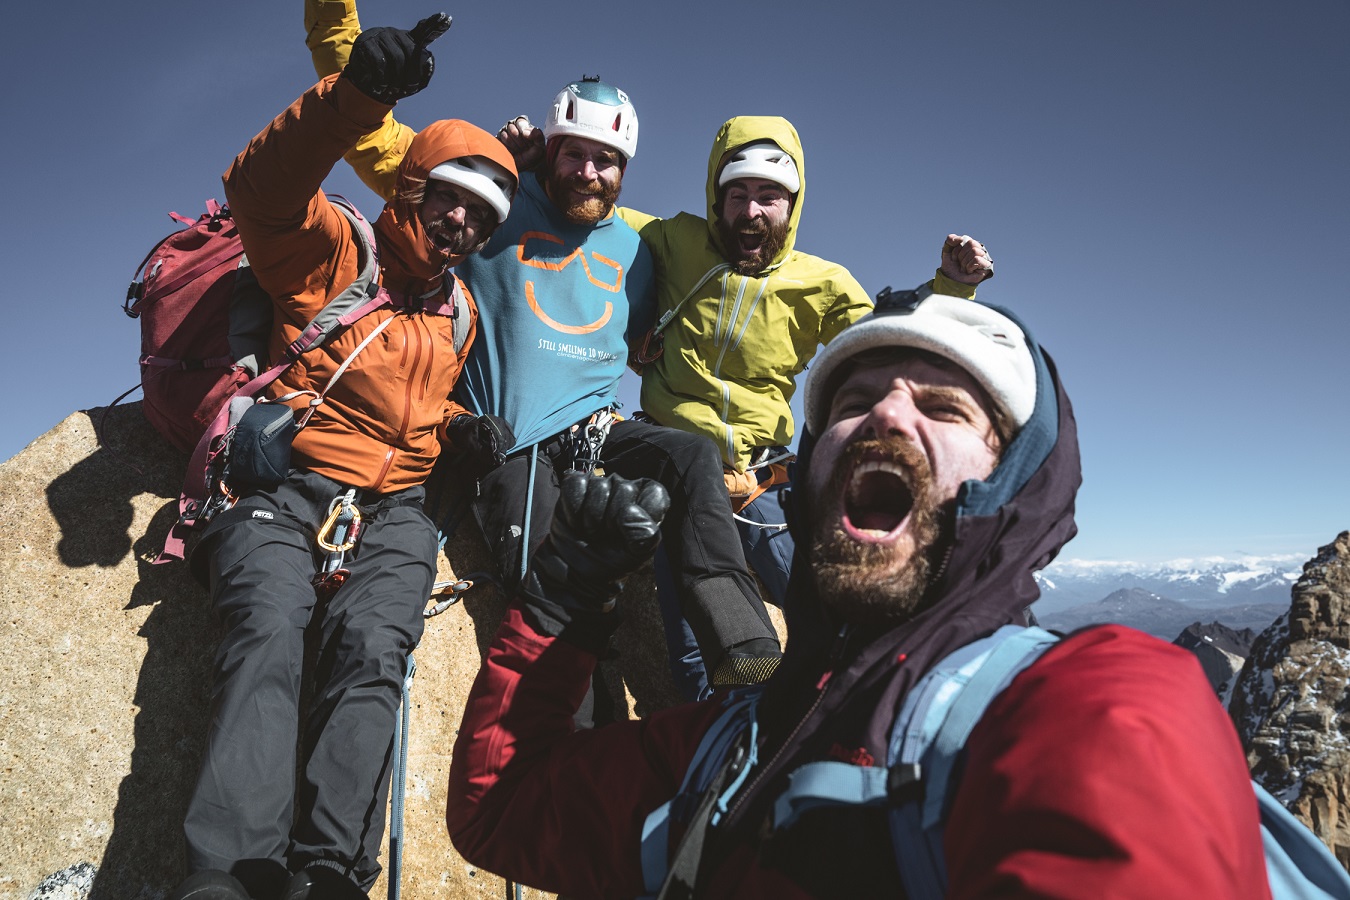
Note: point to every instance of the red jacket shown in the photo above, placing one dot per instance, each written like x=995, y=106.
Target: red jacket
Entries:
x=1107, y=768
x=377, y=429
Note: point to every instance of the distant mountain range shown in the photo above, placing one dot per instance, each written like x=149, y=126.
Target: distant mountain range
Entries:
x=1211, y=582
x=1249, y=592
x=1159, y=616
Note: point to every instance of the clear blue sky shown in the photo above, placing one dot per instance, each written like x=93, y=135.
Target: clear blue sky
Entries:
x=1163, y=186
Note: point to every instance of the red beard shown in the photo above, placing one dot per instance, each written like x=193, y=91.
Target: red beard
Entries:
x=876, y=583
x=597, y=203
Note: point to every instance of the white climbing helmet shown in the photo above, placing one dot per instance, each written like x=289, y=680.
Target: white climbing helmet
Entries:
x=591, y=109
x=988, y=345
x=488, y=181
x=762, y=159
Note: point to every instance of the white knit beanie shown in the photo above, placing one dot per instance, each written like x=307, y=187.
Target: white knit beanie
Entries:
x=985, y=343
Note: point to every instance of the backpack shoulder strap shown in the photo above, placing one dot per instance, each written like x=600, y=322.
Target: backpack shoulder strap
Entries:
x=930, y=735
x=1010, y=650
x=705, y=772
x=359, y=298
x=927, y=738
x=460, y=315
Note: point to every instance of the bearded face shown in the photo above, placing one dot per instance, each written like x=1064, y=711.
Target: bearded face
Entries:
x=753, y=223
x=752, y=244
x=455, y=220
x=584, y=180
x=904, y=433
x=450, y=238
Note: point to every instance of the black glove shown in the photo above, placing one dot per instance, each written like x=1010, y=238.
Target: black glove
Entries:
x=388, y=64
x=485, y=441
x=605, y=527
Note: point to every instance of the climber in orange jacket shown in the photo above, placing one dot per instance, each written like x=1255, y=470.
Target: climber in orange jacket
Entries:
x=382, y=387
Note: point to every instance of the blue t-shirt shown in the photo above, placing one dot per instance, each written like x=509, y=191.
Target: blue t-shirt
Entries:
x=557, y=305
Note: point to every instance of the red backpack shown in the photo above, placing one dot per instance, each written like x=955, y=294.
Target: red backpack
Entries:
x=204, y=324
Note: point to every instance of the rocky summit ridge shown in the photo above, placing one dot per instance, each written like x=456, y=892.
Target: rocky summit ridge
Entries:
x=1291, y=702
x=105, y=665
x=1221, y=650
x=105, y=670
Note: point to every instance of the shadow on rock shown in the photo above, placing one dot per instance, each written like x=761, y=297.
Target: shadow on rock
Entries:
x=144, y=854
x=91, y=502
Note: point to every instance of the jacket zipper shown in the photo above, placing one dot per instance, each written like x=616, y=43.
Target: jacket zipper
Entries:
x=823, y=688
x=431, y=353
x=415, y=337
x=728, y=430
x=763, y=289
x=413, y=343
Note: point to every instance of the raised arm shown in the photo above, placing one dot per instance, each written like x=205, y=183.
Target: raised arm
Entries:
x=288, y=227
x=331, y=27
x=965, y=263
x=520, y=777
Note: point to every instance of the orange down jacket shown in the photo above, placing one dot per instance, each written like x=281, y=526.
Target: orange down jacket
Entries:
x=378, y=427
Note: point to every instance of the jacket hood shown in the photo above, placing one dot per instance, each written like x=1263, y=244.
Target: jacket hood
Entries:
x=406, y=253
x=1005, y=528
x=738, y=132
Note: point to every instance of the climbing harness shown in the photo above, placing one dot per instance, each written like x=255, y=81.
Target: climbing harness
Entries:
x=583, y=443
x=775, y=459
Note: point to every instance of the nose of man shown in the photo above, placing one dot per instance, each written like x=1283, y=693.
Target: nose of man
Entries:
x=893, y=414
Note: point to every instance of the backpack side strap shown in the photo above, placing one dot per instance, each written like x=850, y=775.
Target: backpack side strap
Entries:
x=704, y=794
x=358, y=299
x=940, y=713
x=1298, y=864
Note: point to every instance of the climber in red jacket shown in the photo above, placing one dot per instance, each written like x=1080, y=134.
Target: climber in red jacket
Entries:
x=938, y=472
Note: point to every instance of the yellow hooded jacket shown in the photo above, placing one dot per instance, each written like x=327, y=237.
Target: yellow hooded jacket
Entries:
x=331, y=27
x=734, y=344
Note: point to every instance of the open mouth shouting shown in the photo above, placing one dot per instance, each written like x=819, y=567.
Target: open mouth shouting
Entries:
x=877, y=521
x=877, y=501
x=750, y=236
x=447, y=238
x=752, y=243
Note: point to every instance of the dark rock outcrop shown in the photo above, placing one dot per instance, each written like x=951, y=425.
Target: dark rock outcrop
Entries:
x=1291, y=704
x=1220, y=649
x=1237, y=641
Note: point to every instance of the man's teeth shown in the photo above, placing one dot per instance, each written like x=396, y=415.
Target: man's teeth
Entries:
x=867, y=468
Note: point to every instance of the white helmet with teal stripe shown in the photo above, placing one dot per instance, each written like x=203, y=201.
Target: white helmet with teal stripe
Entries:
x=591, y=109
